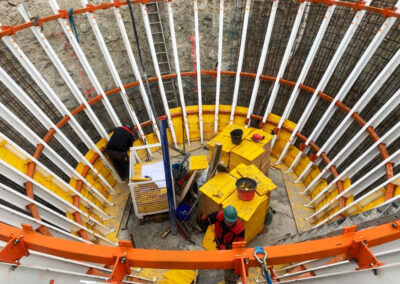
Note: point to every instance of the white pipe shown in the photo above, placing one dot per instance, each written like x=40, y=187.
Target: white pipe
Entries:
x=114, y=73
x=85, y=64
x=307, y=65
x=178, y=69
x=220, y=43
x=240, y=60
x=323, y=82
x=285, y=59
x=261, y=63
x=135, y=69
x=198, y=69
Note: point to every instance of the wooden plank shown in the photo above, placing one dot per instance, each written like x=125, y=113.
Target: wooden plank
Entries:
x=216, y=156
x=188, y=185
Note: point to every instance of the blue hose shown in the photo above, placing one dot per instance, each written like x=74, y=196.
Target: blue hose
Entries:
x=72, y=22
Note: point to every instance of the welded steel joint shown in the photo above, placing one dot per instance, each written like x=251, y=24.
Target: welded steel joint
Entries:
x=241, y=265
x=15, y=248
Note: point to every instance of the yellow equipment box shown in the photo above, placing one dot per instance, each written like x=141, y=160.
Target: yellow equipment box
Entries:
x=227, y=130
x=252, y=213
x=227, y=147
x=215, y=191
x=247, y=153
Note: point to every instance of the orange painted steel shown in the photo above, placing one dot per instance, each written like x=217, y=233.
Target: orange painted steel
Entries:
x=225, y=259
x=322, y=95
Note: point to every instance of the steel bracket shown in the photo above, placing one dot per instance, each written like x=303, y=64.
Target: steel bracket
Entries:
x=241, y=260
x=360, y=252
x=121, y=266
x=14, y=251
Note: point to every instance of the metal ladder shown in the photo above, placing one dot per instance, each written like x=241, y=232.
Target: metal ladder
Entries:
x=161, y=52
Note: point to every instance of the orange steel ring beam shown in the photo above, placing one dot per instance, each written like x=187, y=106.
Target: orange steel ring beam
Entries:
x=339, y=104
x=225, y=259
x=12, y=30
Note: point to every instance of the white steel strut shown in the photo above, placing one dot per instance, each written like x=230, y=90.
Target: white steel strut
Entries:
x=157, y=69
x=358, y=107
x=240, y=60
x=198, y=68
x=263, y=57
x=307, y=65
x=75, y=91
x=132, y=60
x=367, y=156
x=178, y=69
x=351, y=79
x=64, y=73
x=285, y=59
x=48, y=91
x=324, y=81
x=85, y=64
x=114, y=73
x=34, y=139
x=48, y=124
x=362, y=183
x=219, y=63
x=380, y=115
x=349, y=83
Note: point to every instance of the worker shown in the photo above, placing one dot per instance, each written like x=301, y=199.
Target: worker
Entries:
x=228, y=229
x=117, y=148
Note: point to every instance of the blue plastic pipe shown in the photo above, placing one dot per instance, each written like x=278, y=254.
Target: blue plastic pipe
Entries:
x=168, y=177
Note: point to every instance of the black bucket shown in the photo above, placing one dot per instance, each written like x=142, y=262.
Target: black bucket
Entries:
x=236, y=136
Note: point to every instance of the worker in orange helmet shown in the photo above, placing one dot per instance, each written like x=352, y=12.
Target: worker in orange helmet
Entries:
x=228, y=229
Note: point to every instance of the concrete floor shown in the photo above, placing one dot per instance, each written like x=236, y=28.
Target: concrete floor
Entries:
x=148, y=235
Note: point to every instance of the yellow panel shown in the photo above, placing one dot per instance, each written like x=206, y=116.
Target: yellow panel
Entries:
x=219, y=187
x=223, y=119
x=208, y=121
x=180, y=134
x=209, y=239
x=198, y=162
x=397, y=191
x=301, y=166
x=193, y=119
x=179, y=276
x=311, y=175
x=317, y=190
